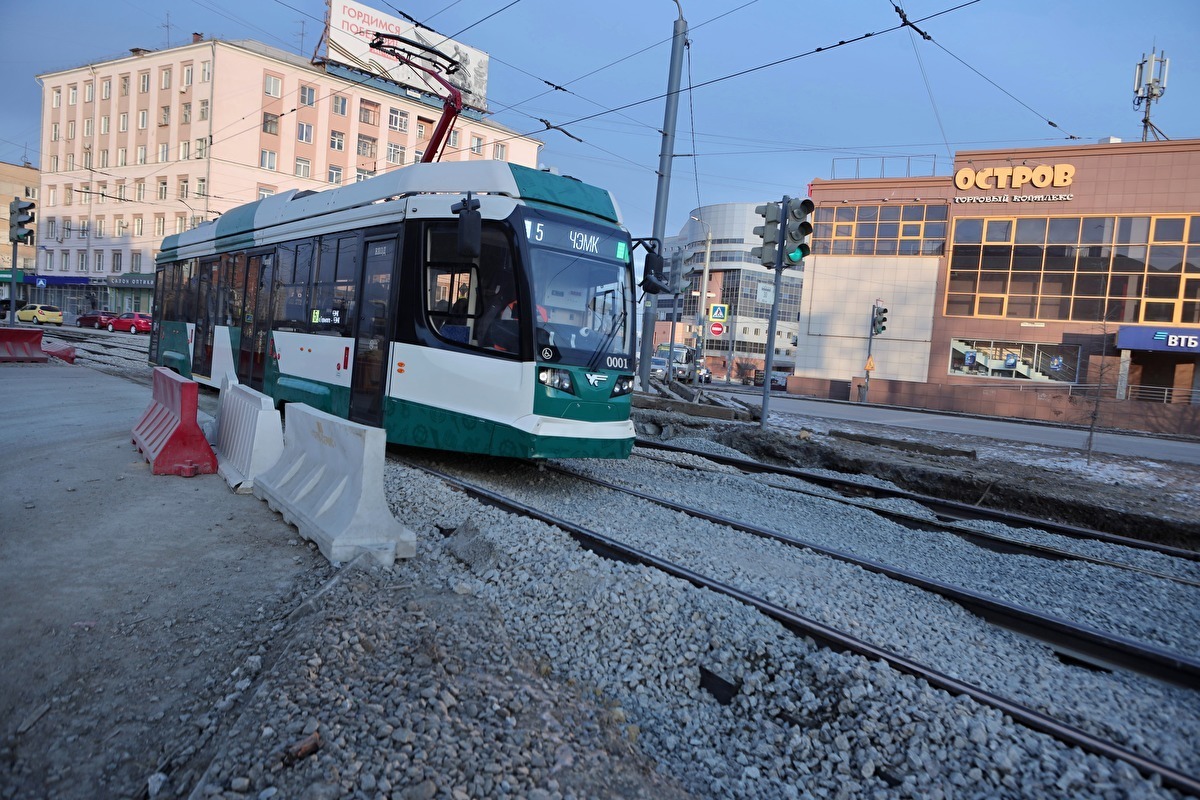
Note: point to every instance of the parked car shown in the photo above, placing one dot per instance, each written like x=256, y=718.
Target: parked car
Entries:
x=658, y=368
x=40, y=314
x=131, y=321
x=96, y=318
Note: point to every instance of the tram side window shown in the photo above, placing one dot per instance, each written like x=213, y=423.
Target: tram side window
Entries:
x=188, y=291
x=464, y=301
x=295, y=268
x=333, y=294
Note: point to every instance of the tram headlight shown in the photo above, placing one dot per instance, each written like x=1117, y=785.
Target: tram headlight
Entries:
x=624, y=386
x=556, y=379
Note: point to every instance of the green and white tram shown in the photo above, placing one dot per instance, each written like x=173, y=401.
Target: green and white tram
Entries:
x=475, y=307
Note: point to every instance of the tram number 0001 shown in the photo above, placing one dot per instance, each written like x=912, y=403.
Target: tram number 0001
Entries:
x=617, y=362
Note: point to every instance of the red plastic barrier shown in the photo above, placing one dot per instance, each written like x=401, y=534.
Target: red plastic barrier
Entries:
x=60, y=350
x=168, y=433
x=19, y=344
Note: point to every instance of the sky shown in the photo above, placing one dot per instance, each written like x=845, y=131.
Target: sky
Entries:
x=774, y=93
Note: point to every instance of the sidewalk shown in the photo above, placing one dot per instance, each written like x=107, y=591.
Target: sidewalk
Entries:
x=128, y=598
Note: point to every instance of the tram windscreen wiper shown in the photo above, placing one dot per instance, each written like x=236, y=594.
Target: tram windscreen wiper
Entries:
x=618, y=323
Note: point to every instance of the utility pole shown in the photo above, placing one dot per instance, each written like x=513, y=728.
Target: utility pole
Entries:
x=701, y=304
x=1149, y=84
x=878, y=318
x=666, y=154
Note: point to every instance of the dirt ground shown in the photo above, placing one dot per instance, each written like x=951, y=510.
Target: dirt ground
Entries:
x=140, y=610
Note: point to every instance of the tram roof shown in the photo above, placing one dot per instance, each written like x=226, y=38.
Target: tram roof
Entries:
x=243, y=226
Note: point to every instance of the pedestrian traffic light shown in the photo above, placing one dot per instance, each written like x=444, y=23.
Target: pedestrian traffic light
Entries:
x=769, y=232
x=878, y=318
x=797, y=228
x=20, y=216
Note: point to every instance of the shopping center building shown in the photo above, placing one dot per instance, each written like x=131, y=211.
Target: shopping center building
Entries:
x=1056, y=283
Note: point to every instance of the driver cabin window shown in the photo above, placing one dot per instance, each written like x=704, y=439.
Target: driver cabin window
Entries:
x=465, y=300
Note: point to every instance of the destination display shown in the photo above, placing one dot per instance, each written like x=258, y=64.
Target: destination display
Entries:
x=584, y=241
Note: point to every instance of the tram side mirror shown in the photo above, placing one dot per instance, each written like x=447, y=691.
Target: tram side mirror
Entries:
x=470, y=227
x=652, y=279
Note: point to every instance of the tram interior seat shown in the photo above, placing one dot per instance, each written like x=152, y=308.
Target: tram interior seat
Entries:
x=457, y=333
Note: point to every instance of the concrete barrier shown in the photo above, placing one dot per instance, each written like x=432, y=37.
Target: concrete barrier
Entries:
x=18, y=344
x=60, y=350
x=329, y=484
x=249, y=436
x=168, y=433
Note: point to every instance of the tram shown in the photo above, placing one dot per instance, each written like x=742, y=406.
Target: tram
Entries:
x=474, y=307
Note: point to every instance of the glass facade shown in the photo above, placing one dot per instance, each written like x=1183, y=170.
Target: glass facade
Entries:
x=887, y=229
x=1110, y=269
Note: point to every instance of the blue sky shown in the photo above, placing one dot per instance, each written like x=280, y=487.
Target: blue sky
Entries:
x=767, y=114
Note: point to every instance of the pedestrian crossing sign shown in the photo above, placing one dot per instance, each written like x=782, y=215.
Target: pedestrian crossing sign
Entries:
x=870, y=367
x=718, y=312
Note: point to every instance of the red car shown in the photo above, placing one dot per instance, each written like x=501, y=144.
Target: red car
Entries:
x=96, y=318
x=131, y=321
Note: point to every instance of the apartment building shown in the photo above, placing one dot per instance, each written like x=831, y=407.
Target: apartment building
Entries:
x=154, y=143
x=16, y=180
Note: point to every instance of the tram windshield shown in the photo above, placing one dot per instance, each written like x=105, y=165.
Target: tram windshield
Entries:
x=582, y=282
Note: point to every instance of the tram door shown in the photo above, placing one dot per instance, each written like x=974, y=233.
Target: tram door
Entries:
x=372, y=334
x=256, y=319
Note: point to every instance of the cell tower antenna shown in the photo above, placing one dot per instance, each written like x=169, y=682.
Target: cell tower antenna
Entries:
x=1149, y=84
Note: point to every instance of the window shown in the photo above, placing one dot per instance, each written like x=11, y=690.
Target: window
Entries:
x=84, y=228
x=368, y=112
x=54, y=163
x=363, y=174
x=499, y=151
x=54, y=131
x=140, y=191
x=70, y=129
x=264, y=192
x=270, y=123
x=116, y=261
x=187, y=75
x=88, y=92
x=162, y=190
x=201, y=187
x=304, y=132
x=135, y=258
x=81, y=264
x=308, y=95
x=395, y=154
x=103, y=158
x=87, y=127
x=56, y=98
x=477, y=145
x=185, y=150
x=367, y=146
x=143, y=119
x=104, y=122
x=165, y=79
x=337, y=140
x=64, y=261
x=72, y=95
x=124, y=84
x=180, y=223
x=51, y=226
x=99, y=261
x=339, y=105
x=205, y=72
x=303, y=168
x=397, y=119
x=201, y=148
x=183, y=189
x=272, y=86
x=266, y=159
x=123, y=122
x=70, y=161
x=164, y=116
x=185, y=113
x=203, y=110
x=909, y=229
x=335, y=174
x=137, y=226
x=453, y=140
x=420, y=130
x=141, y=154
x=164, y=152
x=143, y=83
x=160, y=225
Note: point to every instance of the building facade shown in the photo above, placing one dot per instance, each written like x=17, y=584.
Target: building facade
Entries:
x=734, y=343
x=140, y=147
x=1057, y=283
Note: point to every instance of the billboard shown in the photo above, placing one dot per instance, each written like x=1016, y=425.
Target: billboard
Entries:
x=352, y=26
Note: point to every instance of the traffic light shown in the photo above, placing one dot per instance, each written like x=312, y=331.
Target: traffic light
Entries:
x=797, y=228
x=20, y=217
x=769, y=232
x=878, y=318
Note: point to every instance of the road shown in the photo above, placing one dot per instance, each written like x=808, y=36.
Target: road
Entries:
x=1161, y=449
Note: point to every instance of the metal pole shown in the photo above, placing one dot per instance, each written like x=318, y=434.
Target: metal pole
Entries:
x=671, y=354
x=701, y=303
x=664, y=183
x=12, y=287
x=770, y=359
x=866, y=387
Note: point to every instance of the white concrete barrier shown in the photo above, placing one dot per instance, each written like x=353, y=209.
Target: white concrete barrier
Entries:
x=249, y=436
x=329, y=484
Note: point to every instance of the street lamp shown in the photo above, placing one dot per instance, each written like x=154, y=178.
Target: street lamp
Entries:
x=701, y=302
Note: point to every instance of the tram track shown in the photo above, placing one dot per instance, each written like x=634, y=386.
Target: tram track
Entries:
x=1086, y=734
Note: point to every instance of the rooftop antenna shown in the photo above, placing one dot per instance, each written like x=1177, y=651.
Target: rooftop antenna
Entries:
x=1149, y=84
